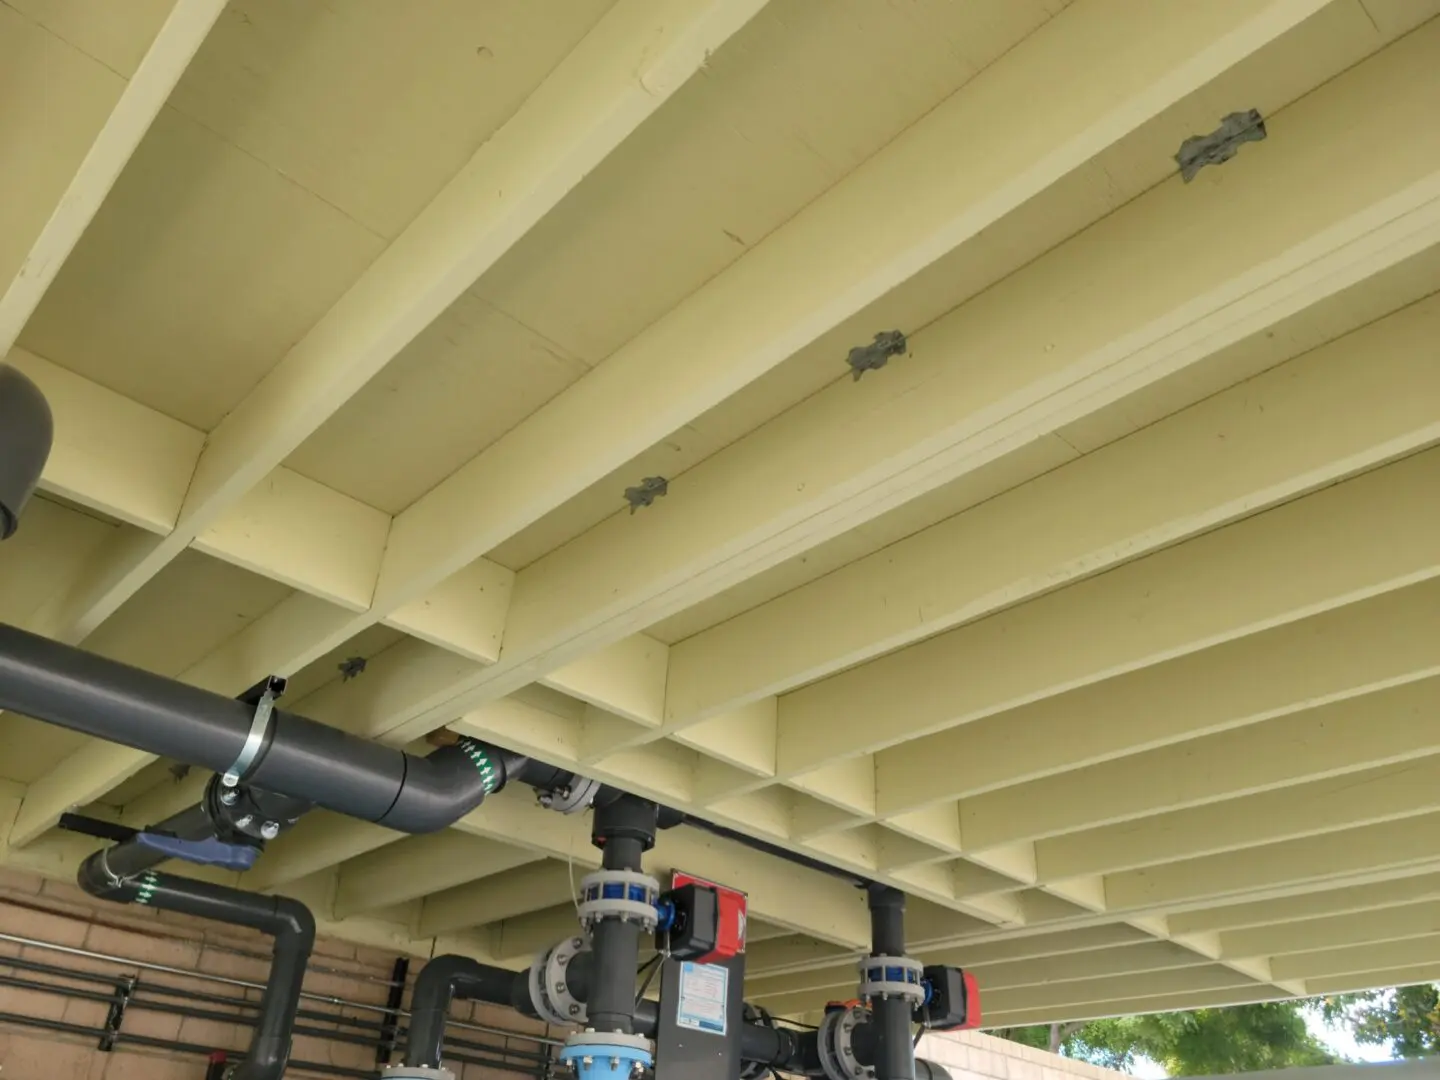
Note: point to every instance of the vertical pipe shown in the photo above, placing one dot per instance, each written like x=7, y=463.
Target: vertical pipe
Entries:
x=624, y=830
x=894, y=1050
x=390, y=1024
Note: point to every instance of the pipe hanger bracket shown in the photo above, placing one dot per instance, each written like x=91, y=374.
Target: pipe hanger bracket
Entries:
x=270, y=691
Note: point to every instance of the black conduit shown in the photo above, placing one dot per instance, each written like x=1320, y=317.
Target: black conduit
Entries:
x=289, y=922
x=894, y=1052
x=301, y=758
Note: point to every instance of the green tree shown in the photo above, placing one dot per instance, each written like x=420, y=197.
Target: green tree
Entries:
x=1242, y=1038
x=1406, y=1019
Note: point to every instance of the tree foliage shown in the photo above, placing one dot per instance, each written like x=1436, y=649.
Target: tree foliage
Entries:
x=1242, y=1038
x=1406, y=1019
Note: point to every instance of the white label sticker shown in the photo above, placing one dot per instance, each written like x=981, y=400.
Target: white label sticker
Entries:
x=704, y=993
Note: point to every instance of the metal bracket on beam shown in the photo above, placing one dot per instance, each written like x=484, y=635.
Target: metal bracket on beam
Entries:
x=646, y=492
x=1220, y=145
x=877, y=354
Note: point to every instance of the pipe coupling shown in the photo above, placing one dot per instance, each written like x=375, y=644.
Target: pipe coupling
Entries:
x=596, y=1055
x=835, y=1044
x=627, y=895
x=550, y=991
x=892, y=976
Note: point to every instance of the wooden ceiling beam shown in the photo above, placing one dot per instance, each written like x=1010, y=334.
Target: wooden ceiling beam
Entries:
x=1350, y=736
x=624, y=69
x=1346, y=652
x=632, y=689
x=528, y=888
x=765, y=965
x=1407, y=975
x=435, y=702
x=849, y=453
x=1068, y=967
x=515, y=940
x=591, y=429
x=140, y=99
x=1312, y=935
x=111, y=454
x=320, y=841
x=420, y=865
x=1326, y=903
x=1136, y=1006
x=1372, y=796
x=1185, y=983
x=1286, y=564
x=1315, y=419
x=1371, y=852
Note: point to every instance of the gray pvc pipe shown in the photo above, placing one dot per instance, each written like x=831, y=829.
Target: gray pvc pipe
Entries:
x=26, y=432
x=75, y=689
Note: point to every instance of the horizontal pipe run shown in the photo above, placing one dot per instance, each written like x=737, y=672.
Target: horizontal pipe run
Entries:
x=245, y=984
x=299, y=757
x=75, y=689
x=142, y=993
x=64, y=1027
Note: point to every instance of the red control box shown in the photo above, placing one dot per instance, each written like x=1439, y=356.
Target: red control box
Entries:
x=730, y=940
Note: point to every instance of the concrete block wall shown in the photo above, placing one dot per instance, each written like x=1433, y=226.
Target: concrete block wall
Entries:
x=973, y=1055
x=58, y=912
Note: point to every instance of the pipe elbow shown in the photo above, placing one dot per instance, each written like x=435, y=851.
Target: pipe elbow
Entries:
x=440, y=974
x=295, y=921
x=95, y=878
x=438, y=790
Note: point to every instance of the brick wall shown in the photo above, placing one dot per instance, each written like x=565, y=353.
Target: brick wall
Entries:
x=58, y=912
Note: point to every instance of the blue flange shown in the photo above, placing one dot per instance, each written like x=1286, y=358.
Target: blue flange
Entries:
x=600, y=1060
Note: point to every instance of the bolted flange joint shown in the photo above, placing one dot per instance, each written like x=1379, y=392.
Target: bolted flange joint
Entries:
x=892, y=976
x=598, y=1055
x=626, y=895
x=550, y=992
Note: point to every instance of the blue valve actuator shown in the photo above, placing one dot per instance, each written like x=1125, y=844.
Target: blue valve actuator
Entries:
x=209, y=852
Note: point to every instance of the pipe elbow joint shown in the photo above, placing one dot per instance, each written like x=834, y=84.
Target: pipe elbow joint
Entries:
x=295, y=921
x=438, y=790
x=95, y=878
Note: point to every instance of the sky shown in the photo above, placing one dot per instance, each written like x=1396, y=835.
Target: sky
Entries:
x=1341, y=1042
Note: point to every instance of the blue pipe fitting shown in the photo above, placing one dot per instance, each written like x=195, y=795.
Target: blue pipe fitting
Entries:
x=605, y=1060
x=665, y=915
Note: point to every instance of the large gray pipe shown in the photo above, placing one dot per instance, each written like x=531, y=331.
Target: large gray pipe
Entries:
x=302, y=758
x=26, y=431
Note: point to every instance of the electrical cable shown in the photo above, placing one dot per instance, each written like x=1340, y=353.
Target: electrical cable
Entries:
x=653, y=964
